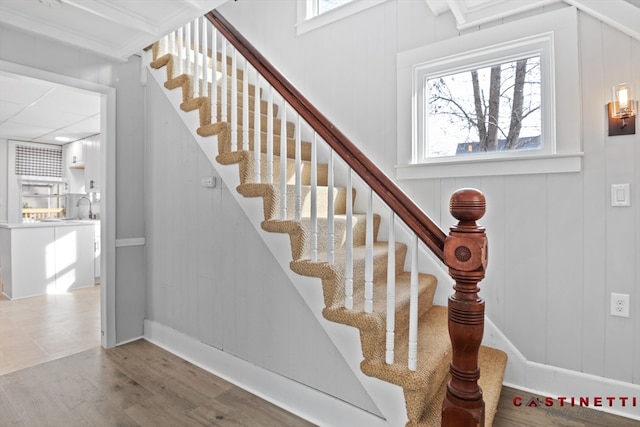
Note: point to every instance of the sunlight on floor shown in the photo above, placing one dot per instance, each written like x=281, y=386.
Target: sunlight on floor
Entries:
x=42, y=328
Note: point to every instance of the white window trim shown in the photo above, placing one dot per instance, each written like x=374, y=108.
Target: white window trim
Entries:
x=565, y=156
x=305, y=24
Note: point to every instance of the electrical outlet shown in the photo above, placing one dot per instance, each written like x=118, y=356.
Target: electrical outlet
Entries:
x=620, y=305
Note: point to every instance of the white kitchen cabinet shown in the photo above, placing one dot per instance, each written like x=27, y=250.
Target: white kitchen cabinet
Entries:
x=74, y=257
x=92, y=164
x=40, y=258
x=28, y=271
x=82, y=165
x=73, y=168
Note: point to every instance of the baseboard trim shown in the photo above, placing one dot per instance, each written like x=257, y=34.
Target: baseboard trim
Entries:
x=552, y=381
x=129, y=340
x=308, y=403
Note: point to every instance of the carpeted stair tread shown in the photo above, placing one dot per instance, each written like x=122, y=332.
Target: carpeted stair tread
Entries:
x=492, y=363
x=225, y=146
x=246, y=162
x=300, y=232
x=189, y=104
x=372, y=326
x=271, y=198
x=333, y=275
x=434, y=355
x=198, y=102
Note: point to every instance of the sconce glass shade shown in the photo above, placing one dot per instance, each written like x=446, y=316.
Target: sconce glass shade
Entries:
x=623, y=103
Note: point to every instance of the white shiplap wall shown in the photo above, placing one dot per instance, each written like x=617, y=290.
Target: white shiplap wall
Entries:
x=210, y=275
x=557, y=247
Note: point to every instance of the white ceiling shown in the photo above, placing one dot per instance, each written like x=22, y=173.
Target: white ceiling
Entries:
x=112, y=28
x=38, y=111
x=621, y=14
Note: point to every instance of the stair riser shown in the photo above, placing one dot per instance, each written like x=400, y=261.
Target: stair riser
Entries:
x=264, y=120
x=247, y=174
x=305, y=147
x=374, y=339
x=303, y=240
x=264, y=105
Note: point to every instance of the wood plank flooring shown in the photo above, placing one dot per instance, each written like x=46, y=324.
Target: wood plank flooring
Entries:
x=138, y=384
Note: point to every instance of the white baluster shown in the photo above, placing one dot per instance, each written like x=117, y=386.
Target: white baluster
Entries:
x=314, y=199
x=234, y=99
x=269, y=136
x=224, y=78
x=298, y=168
x=163, y=47
x=331, y=234
x=413, y=307
x=283, y=161
x=180, y=51
x=196, y=65
x=348, y=274
x=368, y=264
x=172, y=43
x=257, y=135
x=214, y=75
x=188, y=48
x=205, y=58
x=245, y=105
x=391, y=291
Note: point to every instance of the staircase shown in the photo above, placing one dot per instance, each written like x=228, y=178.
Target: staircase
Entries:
x=327, y=237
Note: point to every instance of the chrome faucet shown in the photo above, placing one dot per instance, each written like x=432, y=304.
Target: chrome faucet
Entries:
x=78, y=204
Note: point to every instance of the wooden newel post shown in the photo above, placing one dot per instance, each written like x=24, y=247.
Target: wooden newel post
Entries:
x=465, y=253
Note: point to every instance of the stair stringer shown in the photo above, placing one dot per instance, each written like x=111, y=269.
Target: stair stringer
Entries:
x=388, y=398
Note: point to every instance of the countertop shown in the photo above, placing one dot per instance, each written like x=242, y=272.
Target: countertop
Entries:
x=50, y=223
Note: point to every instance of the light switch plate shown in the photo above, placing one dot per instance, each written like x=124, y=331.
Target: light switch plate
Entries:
x=208, y=181
x=620, y=195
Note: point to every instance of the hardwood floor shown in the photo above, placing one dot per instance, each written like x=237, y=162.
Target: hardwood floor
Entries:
x=137, y=384
x=43, y=328
x=42, y=383
x=140, y=384
x=509, y=415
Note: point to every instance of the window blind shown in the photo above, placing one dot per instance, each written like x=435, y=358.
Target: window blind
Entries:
x=38, y=161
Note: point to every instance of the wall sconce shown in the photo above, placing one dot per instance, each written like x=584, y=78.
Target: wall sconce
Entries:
x=622, y=111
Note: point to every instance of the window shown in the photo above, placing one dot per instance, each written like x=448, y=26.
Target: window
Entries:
x=486, y=103
x=484, y=110
x=314, y=14
x=322, y=6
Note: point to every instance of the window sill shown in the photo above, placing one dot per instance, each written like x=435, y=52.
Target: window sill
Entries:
x=348, y=9
x=456, y=168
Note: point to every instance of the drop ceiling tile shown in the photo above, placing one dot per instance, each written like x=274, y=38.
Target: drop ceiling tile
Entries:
x=12, y=130
x=73, y=101
x=8, y=109
x=46, y=117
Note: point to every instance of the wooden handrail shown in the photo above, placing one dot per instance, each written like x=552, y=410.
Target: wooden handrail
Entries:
x=380, y=183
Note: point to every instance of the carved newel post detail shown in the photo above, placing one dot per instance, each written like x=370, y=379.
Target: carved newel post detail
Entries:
x=465, y=253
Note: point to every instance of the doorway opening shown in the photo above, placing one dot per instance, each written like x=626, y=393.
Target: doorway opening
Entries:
x=105, y=158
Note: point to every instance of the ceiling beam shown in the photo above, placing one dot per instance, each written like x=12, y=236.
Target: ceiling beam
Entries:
x=621, y=15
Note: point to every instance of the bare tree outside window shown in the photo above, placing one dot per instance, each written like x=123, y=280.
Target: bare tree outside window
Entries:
x=496, y=108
